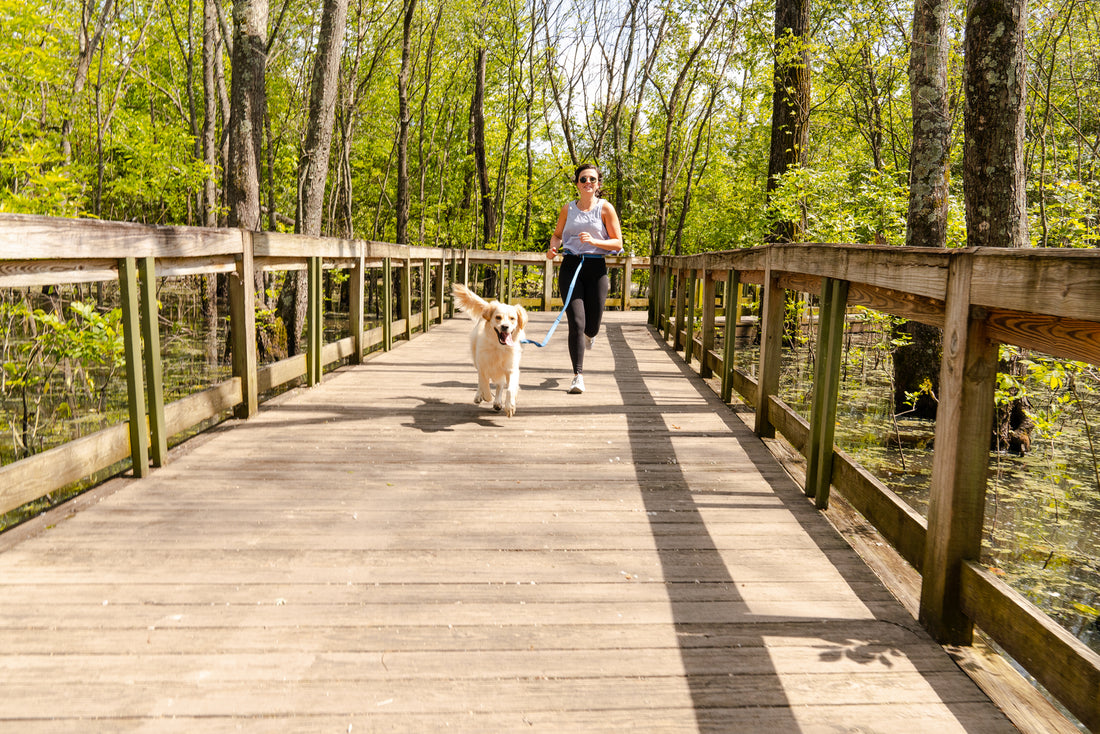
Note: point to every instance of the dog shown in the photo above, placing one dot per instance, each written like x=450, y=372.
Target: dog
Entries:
x=495, y=346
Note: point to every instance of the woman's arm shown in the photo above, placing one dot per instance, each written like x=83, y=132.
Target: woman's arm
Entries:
x=555, y=239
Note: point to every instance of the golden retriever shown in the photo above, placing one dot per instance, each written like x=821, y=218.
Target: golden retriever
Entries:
x=495, y=345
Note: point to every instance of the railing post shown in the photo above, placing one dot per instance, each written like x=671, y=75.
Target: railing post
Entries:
x=242, y=318
x=135, y=388
x=710, y=286
x=440, y=281
x=675, y=291
x=154, y=372
x=681, y=306
x=628, y=276
x=509, y=290
x=387, y=304
x=960, y=463
x=454, y=279
x=466, y=267
x=733, y=317
x=425, y=296
x=830, y=343
x=355, y=305
x=548, y=285
x=689, y=325
x=406, y=297
x=314, y=319
x=771, y=346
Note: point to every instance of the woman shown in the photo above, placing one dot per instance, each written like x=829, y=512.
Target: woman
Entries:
x=587, y=229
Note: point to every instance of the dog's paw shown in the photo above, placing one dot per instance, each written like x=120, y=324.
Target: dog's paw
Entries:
x=510, y=410
x=498, y=407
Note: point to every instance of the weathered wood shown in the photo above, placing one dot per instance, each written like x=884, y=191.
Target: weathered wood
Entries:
x=185, y=413
x=1062, y=337
x=242, y=324
x=771, y=343
x=1063, y=664
x=135, y=387
x=732, y=301
x=24, y=236
x=34, y=273
x=406, y=588
x=830, y=353
x=406, y=298
x=709, y=304
x=689, y=317
x=28, y=479
x=387, y=305
x=154, y=374
x=960, y=463
x=314, y=321
x=356, y=299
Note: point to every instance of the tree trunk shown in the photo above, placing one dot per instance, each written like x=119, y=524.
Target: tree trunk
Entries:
x=993, y=158
x=246, y=116
x=477, y=115
x=313, y=164
x=405, y=118
x=917, y=364
x=790, y=104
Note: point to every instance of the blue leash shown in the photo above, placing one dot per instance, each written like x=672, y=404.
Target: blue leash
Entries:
x=564, y=305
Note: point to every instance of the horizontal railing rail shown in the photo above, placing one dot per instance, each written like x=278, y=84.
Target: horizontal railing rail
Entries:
x=45, y=251
x=1045, y=300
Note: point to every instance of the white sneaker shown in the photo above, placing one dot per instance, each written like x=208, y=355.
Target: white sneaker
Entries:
x=577, y=386
x=589, y=341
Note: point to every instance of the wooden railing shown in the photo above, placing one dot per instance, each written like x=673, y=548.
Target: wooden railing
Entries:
x=1044, y=300
x=42, y=251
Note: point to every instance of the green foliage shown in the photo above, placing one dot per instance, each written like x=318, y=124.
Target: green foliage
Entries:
x=86, y=350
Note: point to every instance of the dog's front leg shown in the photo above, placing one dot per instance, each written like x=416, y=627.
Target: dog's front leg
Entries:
x=484, y=389
x=508, y=396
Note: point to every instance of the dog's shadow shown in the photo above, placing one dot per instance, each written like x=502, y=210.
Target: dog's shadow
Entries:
x=548, y=383
x=434, y=415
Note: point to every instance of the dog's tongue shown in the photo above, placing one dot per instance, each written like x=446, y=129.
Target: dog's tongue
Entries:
x=505, y=338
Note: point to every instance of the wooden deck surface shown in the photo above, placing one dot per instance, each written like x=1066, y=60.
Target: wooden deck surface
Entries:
x=379, y=554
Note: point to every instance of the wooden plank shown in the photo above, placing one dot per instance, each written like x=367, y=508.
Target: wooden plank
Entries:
x=771, y=345
x=1056, y=282
x=960, y=463
x=28, y=479
x=25, y=236
x=357, y=286
x=1055, y=335
x=154, y=380
x=34, y=273
x=242, y=324
x=183, y=414
x=135, y=387
x=830, y=348
x=1063, y=664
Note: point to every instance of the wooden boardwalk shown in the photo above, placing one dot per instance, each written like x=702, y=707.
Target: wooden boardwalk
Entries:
x=378, y=554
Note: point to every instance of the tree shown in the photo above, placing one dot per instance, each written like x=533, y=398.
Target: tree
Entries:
x=313, y=164
x=916, y=364
x=790, y=104
x=994, y=116
x=404, y=118
x=246, y=114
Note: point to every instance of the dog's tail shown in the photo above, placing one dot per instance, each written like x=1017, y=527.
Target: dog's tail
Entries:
x=470, y=302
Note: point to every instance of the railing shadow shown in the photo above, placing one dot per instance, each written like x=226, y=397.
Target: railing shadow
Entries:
x=754, y=681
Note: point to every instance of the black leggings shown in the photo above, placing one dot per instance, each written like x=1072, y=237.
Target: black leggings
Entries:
x=585, y=308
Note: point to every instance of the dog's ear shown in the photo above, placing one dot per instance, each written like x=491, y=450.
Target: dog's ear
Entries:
x=521, y=314
x=487, y=314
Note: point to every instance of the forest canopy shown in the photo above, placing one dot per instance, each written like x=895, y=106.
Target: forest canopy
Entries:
x=119, y=109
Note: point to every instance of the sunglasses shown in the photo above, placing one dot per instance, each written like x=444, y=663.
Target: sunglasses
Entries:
x=588, y=179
